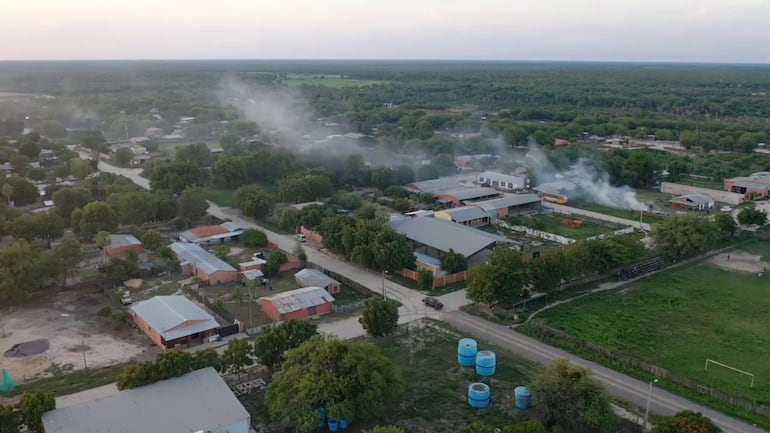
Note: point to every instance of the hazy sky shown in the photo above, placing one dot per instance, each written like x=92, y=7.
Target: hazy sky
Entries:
x=623, y=30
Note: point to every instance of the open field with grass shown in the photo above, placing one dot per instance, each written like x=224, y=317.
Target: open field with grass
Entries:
x=328, y=80
x=677, y=319
x=170, y=148
x=553, y=224
x=435, y=399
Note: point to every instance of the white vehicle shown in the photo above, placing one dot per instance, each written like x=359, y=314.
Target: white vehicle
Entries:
x=725, y=208
x=301, y=237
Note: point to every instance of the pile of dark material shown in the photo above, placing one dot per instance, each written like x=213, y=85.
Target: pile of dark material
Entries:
x=28, y=348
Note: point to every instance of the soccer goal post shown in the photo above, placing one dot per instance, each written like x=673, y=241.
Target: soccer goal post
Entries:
x=711, y=361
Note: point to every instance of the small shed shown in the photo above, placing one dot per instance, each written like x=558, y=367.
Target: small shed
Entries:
x=315, y=278
x=121, y=244
x=298, y=304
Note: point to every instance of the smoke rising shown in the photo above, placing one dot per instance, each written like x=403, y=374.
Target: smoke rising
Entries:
x=582, y=180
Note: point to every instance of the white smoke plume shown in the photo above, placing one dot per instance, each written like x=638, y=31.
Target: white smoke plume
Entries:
x=583, y=180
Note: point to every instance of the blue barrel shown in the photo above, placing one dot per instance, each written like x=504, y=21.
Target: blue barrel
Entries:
x=478, y=395
x=334, y=424
x=486, y=363
x=343, y=423
x=322, y=413
x=466, y=352
x=523, y=397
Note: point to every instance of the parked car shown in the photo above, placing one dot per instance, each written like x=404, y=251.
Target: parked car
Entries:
x=433, y=303
x=301, y=237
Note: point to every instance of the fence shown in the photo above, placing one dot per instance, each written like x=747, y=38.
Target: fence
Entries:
x=538, y=234
x=344, y=308
x=438, y=281
x=213, y=306
x=660, y=372
x=359, y=288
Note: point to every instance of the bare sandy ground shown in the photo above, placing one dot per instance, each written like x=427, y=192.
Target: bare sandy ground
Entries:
x=739, y=261
x=70, y=325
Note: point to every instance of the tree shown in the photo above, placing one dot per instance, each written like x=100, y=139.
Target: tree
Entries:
x=177, y=176
x=7, y=192
x=36, y=174
x=66, y=200
x=197, y=154
x=289, y=219
x=93, y=140
x=380, y=317
x=80, y=168
x=230, y=172
x=726, y=223
x=501, y=281
x=10, y=419
x=97, y=216
x=354, y=380
x=121, y=270
x=20, y=164
x=273, y=343
x=22, y=191
x=222, y=251
x=33, y=405
x=683, y=236
x=253, y=201
x=192, y=205
x=687, y=421
x=295, y=190
x=254, y=238
x=19, y=271
x=299, y=252
x=30, y=149
x=749, y=216
x=453, y=262
x=53, y=129
x=237, y=355
x=565, y=396
x=383, y=177
x=103, y=240
x=274, y=263
x=123, y=156
x=392, y=250
x=63, y=261
x=425, y=280
x=152, y=240
x=48, y=226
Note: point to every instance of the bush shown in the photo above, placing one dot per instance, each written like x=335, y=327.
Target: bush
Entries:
x=254, y=238
x=425, y=281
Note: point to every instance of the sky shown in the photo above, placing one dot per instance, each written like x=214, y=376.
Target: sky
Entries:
x=722, y=31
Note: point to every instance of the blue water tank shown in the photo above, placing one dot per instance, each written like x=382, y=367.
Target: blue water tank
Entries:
x=334, y=424
x=343, y=423
x=523, y=397
x=486, y=363
x=466, y=352
x=478, y=395
x=322, y=413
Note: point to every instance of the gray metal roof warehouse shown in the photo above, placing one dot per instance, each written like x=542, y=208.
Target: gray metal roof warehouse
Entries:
x=167, y=314
x=466, y=213
x=445, y=235
x=197, y=401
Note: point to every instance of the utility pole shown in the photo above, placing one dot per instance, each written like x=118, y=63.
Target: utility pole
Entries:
x=647, y=407
x=383, y=284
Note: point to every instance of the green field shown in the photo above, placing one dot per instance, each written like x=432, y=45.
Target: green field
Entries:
x=328, y=80
x=678, y=319
x=553, y=224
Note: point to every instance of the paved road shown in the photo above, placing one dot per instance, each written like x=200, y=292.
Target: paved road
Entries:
x=131, y=173
x=617, y=384
x=568, y=210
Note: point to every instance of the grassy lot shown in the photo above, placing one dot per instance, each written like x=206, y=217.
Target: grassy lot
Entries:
x=222, y=197
x=346, y=296
x=435, y=399
x=250, y=312
x=74, y=381
x=328, y=80
x=553, y=224
x=679, y=318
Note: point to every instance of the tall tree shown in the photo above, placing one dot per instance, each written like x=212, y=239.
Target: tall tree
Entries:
x=392, y=250
x=380, y=317
x=19, y=271
x=253, y=201
x=176, y=177
x=97, y=216
x=295, y=190
x=566, y=396
x=683, y=236
x=254, y=238
x=726, y=223
x=237, y=355
x=63, y=261
x=22, y=191
x=749, y=216
x=66, y=200
x=10, y=419
x=453, y=262
x=192, y=205
x=500, y=281
x=197, y=154
x=354, y=380
x=152, y=240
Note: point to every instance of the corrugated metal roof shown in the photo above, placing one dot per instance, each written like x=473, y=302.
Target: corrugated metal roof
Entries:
x=693, y=199
x=197, y=401
x=117, y=241
x=500, y=177
x=313, y=277
x=428, y=260
x=299, y=299
x=200, y=258
x=434, y=186
x=167, y=314
x=470, y=193
x=466, y=213
x=252, y=274
x=506, y=202
x=444, y=235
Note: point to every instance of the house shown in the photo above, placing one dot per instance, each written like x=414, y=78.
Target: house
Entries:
x=693, y=202
x=757, y=185
x=315, y=278
x=298, y=304
x=433, y=237
x=47, y=157
x=208, y=235
x=120, y=245
x=172, y=320
x=194, y=260
x=465, y=195
x=466, y=215
x=501, y=208
x=505, y=182
x=135, y=148
x=199, y=401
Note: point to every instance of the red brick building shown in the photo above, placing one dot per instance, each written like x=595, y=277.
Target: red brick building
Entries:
x=298, y=304
x=120, y=245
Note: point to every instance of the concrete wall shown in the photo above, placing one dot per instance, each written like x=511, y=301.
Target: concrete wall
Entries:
x=151, y=334
x=274, y=314
x=122, y=251
x=218, y=277
x=728, y=197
